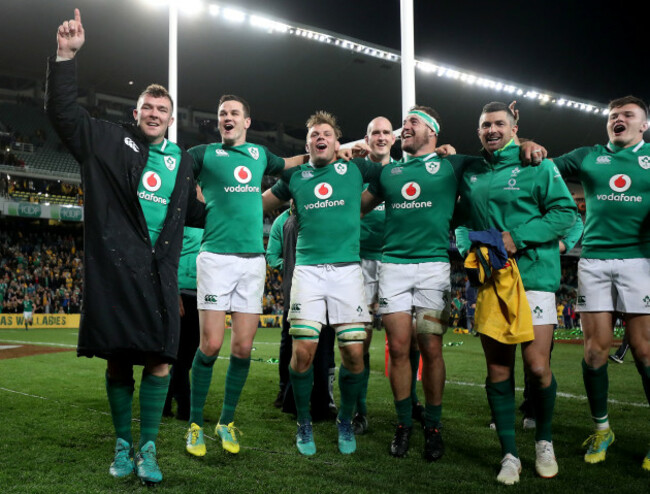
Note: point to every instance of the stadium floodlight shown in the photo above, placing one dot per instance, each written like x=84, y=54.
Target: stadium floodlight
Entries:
x=233, y=15
x=191, y=7
x=236, y=15
x=268, y=24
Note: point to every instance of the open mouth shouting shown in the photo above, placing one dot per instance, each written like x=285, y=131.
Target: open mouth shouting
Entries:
x=618, y=129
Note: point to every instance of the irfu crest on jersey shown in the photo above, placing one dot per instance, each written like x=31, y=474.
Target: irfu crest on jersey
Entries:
x=254, y=152
x=341, y=168
x=170, y=163
x=432, y=167
x=644, y=162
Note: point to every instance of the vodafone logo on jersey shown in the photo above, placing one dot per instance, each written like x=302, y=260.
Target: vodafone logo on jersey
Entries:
x=620, y=183
x=243, y=175
x=323, y=190
x=411, y=191
x=151, y=181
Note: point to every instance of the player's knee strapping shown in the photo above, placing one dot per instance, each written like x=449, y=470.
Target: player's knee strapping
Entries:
x=431, y=321
x=305, y=330
x=350, y=334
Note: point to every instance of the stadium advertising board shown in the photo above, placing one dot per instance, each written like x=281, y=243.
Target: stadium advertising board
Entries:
x=46, y=211
x=40, y=321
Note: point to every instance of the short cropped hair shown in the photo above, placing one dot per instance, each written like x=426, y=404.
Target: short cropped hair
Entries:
x=629, y=100
x=323, y=117
x=496, y=106
x=155, y=91
x=233, y=97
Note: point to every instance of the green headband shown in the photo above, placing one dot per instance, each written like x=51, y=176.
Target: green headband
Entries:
x=431, y=122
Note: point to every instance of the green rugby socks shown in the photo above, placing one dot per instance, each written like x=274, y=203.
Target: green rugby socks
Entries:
x=201, y=379
x=235, y=379
x=302, y=383
x=349, y=386
x=153, y=392
x=544, y=403
x=501, y=397
x=120, y=400
x=597, y=387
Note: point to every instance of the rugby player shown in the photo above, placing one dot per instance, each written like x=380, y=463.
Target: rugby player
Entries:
x=419, y=194
x=377, y=145
x=139, y=191
x=327, y=284
x=533, y=209
x=614, y=271
x=230, y=266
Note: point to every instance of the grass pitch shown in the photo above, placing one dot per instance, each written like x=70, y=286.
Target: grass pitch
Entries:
x=57, y=436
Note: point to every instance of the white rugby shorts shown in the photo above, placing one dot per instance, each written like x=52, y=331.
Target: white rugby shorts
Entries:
x=333, y=292
x=403, y=287
x=370, y=270
x=230, y=282
x=542, y=307
x=608, y=285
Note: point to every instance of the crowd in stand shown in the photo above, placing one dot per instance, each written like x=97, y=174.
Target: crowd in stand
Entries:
x=47, y=266
x=44, y=265
x=40, y=190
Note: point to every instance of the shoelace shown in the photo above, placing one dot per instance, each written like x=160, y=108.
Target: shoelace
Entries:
x=510, y=463
x=233, y=431
x=546, y=453
x=594, y=441
x=346, y=430
x=148, y=459
x=195, y=435
x=122, y=458
x=304, y=433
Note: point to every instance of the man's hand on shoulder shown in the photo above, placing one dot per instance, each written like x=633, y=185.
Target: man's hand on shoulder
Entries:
x=532, y=153
x=445, y=150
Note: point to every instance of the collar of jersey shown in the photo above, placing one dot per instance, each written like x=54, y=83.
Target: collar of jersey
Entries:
x=160, y=146
x=378, y=163
x=613, y=148
x=507, y=154
x=426, y=157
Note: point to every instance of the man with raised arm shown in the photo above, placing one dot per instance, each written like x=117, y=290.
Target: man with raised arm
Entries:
x=614, y=269
x=139, y=192
x=327, y=284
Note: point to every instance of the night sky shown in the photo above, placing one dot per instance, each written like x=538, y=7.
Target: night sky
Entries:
x=589, y=54
x=582, y=49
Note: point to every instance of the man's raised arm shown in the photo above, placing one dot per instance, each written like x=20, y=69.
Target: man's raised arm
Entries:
x=70, y=37
x=69, y=119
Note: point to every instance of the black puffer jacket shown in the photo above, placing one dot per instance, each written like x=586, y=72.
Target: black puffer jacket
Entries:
x=130, y=303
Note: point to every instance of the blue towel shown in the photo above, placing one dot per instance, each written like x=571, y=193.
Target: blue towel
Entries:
x=493, y=240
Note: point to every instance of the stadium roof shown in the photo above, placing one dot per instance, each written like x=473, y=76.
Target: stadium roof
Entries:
x=286, y=77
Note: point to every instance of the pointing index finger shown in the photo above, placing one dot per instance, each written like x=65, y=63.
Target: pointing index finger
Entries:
x=77, y=18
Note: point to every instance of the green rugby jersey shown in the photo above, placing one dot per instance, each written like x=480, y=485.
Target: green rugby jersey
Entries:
x=28, y=306
x=231, y=180
x=531, y=202
x=419, y=194
x=328, y=208
x=372, y=233
x=616, y=183
x=157, y=184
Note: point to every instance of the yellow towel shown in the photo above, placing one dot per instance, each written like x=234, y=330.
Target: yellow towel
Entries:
x=502, y=310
